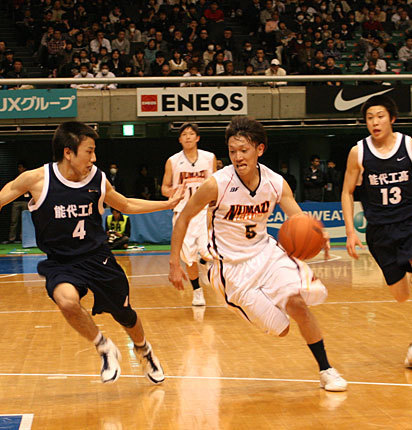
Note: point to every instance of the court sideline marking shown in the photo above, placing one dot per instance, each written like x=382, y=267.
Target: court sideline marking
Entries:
x=208, y=378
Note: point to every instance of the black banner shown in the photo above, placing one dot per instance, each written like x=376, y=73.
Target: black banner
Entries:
x=349, y=98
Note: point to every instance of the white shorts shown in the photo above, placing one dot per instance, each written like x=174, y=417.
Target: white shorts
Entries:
x=258, y=289
x=196, y=238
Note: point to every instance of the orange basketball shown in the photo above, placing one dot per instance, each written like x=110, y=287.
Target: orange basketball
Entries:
x=302, y=236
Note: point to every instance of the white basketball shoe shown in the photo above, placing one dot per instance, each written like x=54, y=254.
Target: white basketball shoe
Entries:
x=331, y=380
x=110, y=356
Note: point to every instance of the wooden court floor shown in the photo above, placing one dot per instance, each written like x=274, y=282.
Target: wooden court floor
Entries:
x=221, y=372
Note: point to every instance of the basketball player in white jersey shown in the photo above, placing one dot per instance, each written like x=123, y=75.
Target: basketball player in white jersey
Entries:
x=193, y=166
x=255, y=276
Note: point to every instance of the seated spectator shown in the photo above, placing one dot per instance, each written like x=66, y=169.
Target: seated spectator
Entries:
x=405, y=53
x=380, y=63
x=275, y=70
x=404, y=23
x=7, y=63
x=100, y=42
x=117, y=230
x=94, y=63
x=2, y=50
x=371, y=70
x=161, y=44
x=105, y=73
x=318, y=63
x=218, y=63
x=177, y=43
x=128, y=73
x=246, y=54
x=203, y=41
x=193, y=71
x=141, y=67
x=133, y=34
x=84, y=73
x=55, y=48
x=331, y=69
x=196, y=61
x=157, y=64
x=250, y=71
x=188, y=52
x=150, y=51
x=190, y=34
x=214, y=13
x=106, y=25
x=103, y=56
x=338, y=42
x=260, y=62
x=84, y=58
x=57, y=11
x=18, y=73
x=177, y=65
x=209, y=54
x=115, y=14
x=121, y=43
x=209, y=71
x=116, y=63
x=79, y=42
x=331, y=50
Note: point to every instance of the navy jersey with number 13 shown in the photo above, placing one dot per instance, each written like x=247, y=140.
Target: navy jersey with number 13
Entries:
x=68, y=216
x=386, y=191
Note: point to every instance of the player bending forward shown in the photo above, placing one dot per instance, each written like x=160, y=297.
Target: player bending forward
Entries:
x=67, y=208
x=255, y=276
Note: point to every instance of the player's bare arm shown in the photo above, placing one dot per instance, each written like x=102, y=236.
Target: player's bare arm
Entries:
x=349, y=184
x=287, y=201
x=206, y=194
x=167, y=183
x=139, y=206
x=30, y=181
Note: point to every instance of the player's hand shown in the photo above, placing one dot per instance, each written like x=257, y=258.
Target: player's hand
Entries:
x=176, y=276
x=326, y=247
x=177, y=195
x=352, y=242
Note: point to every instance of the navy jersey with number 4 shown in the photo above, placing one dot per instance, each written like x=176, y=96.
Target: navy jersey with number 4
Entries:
x=386, y=191
x=68, y=215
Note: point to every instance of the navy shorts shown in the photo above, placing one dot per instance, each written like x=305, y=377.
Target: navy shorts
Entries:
x=98, y=272
x=391, y=247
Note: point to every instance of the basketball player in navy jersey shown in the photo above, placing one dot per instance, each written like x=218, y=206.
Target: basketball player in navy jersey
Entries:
x=255, y=276
x=381, y=165
x=67, y=208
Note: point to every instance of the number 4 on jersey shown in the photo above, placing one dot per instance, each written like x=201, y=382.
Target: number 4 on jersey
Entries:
x=79, y=230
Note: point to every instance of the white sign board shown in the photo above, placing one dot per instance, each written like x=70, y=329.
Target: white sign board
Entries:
x=197, y=101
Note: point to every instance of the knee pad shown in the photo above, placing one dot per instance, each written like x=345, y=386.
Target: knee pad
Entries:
x=126, y=317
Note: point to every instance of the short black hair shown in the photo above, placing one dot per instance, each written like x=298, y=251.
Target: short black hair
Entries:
x=191, y=125
x=248, y=128
x=69, y=135
x=383, y=100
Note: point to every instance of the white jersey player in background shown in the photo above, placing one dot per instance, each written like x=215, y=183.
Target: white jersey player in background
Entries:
x=256, y=277
x=191, y=166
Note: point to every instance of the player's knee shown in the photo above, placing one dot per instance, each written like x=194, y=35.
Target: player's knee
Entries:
x=127, y=317
x=297, y=308
x=67, y=305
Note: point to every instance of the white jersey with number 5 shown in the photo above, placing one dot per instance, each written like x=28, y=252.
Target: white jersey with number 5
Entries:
x=193, y=173
x=240, y=216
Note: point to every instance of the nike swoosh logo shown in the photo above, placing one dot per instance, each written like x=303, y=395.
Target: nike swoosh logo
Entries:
x=342, y=105
x=400, y=159
x=105, y=261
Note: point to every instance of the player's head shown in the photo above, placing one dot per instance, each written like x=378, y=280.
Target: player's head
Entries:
x=70, y=135
x=383, y=100
x=189, y=135
x=252, y=130
x=187, y=125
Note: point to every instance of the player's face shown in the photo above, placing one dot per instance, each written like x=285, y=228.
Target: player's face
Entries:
x=244, y=155
x=188, y=139
x=83, y=161
x=379, y=122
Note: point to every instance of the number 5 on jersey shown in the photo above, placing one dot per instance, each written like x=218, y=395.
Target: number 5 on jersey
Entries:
x=79, y=230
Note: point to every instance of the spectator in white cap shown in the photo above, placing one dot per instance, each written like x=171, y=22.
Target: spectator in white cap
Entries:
x=275, y=70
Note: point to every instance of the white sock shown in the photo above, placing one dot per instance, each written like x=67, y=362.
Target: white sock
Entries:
x=99, y=338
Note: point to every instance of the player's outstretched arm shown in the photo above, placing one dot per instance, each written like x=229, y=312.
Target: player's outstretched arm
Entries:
x=22, y=184
x=167, y=183
x=287, y=201
x=206, y=194
x=351, y=177
x=139, y=206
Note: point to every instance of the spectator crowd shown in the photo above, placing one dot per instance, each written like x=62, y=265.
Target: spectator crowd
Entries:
x=126, y=38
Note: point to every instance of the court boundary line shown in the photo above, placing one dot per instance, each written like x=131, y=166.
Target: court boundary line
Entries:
x=208, y=378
